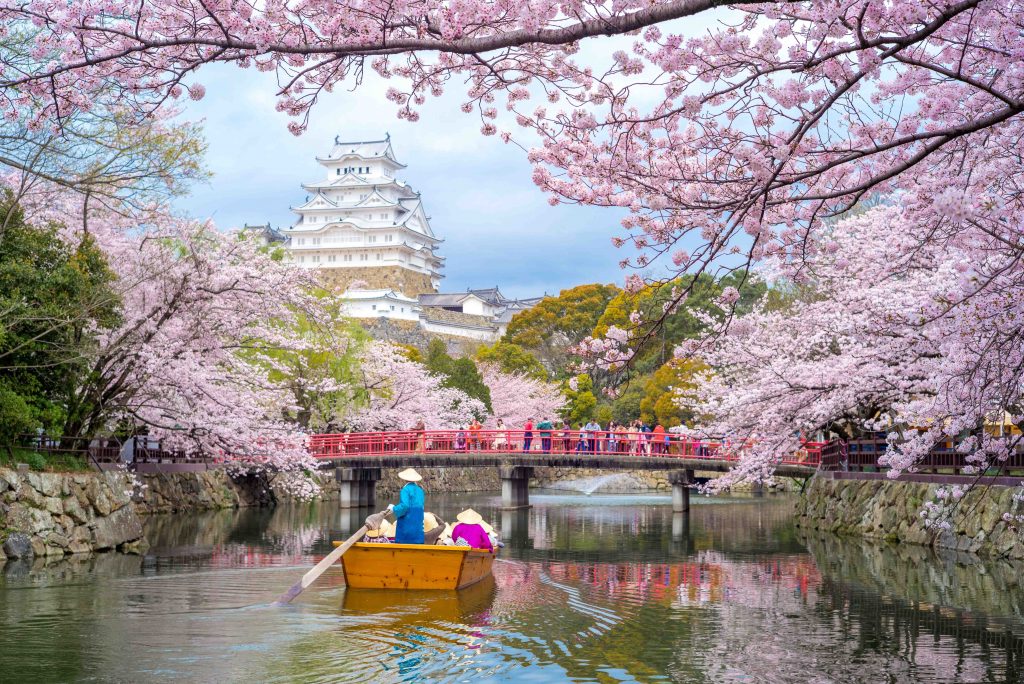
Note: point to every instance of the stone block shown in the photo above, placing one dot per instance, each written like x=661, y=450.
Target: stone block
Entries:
x=73, y=509
x=28, y=495
x=54, y=505
x=79, y=547
x=117, y=528
x=58, y=540
x=10, y=478
x=101, y=502
x=50, y=484
x=18, y=545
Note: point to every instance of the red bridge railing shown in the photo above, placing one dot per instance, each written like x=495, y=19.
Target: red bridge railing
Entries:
x=559, y=442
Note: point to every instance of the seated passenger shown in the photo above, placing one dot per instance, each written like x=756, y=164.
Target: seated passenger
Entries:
x=469, y=531
x=382, y=535
x=433, y=527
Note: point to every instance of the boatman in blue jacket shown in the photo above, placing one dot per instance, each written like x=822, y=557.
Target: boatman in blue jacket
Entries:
x=409, y=511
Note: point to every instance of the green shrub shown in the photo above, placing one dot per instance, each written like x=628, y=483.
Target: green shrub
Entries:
x=35, y=460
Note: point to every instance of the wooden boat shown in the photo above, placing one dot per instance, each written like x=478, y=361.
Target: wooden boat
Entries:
x=414, y=566
x=420, y=606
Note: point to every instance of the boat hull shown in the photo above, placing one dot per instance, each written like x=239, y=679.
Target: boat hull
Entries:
x=414, y=566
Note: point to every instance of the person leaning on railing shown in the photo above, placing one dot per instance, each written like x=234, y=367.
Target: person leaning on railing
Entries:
x=500, y=436
x=545, y=426
x=660, y=441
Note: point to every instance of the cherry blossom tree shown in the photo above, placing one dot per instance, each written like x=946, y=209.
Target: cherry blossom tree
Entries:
x=914, y=328
x=516, y=397
x=397, y=392
x=730, y=148
x=194, y=357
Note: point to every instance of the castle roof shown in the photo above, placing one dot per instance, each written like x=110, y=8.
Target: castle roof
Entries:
x=385, y=293
x=266, y=232
x=364, y=149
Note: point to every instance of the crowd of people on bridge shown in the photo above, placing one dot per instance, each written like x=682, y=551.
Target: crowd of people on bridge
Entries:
x=638, y=438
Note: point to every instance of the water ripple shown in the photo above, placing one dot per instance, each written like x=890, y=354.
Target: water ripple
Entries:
x=594, y=595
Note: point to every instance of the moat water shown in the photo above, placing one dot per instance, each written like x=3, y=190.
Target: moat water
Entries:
x=603, y=588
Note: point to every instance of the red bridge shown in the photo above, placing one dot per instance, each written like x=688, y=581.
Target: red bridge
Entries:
x=359, y=456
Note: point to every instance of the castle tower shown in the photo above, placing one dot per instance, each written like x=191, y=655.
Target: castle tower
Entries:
x=362, y=224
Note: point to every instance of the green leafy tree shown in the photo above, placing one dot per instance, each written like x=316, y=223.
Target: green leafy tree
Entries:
x=626, y=407
x=323, y=377
x=580, y=402
x=666, y=390
x=459, y=374
x=678, y=326
x=511, y=358
x=54, y=297
x=555, y=324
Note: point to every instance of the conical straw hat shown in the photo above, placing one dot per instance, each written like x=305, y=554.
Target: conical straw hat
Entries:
x=429, y=521
x=410, y=475
x=469, y=516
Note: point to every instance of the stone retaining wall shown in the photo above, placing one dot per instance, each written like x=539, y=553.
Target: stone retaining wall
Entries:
x=54, y=514
x=201, y=491
x=891, y=510
x=621, y=481
x=442, y=481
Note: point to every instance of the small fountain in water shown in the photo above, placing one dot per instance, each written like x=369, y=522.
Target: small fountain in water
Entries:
x=589, y=485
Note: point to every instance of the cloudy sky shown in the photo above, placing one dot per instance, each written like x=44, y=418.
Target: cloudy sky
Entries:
x=498, y=227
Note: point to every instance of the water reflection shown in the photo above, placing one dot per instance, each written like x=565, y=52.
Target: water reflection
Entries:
x=588, y=589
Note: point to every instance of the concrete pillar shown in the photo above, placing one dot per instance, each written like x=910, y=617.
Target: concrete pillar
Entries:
x=357, y=487
x=515, y=527
x=680, y=527
x=515, y=486
x=350, y=520
x=681, y=480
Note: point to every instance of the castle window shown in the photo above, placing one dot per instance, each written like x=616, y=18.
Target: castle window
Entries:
x=339, y=172
x=392, y=307
x=363, y=257
x=378, y=256
x=373, y=306
x=302, y=259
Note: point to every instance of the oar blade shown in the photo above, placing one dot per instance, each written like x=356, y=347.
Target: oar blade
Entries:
x=320, y=568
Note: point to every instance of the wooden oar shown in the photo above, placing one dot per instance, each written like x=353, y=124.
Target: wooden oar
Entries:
x=372, y=523
x=314, y=574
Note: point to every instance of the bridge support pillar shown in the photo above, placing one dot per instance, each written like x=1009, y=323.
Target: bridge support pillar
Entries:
x=515, y=486
x=680, y=481
x=357, y=487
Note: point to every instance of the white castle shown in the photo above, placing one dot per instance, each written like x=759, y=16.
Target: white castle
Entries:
x=361, y=217
x=367, y=234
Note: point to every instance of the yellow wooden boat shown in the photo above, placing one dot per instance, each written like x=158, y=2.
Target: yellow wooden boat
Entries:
x=414, y=566
x=431, y=605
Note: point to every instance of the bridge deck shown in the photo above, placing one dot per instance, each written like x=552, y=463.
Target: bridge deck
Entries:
x=537, y=459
